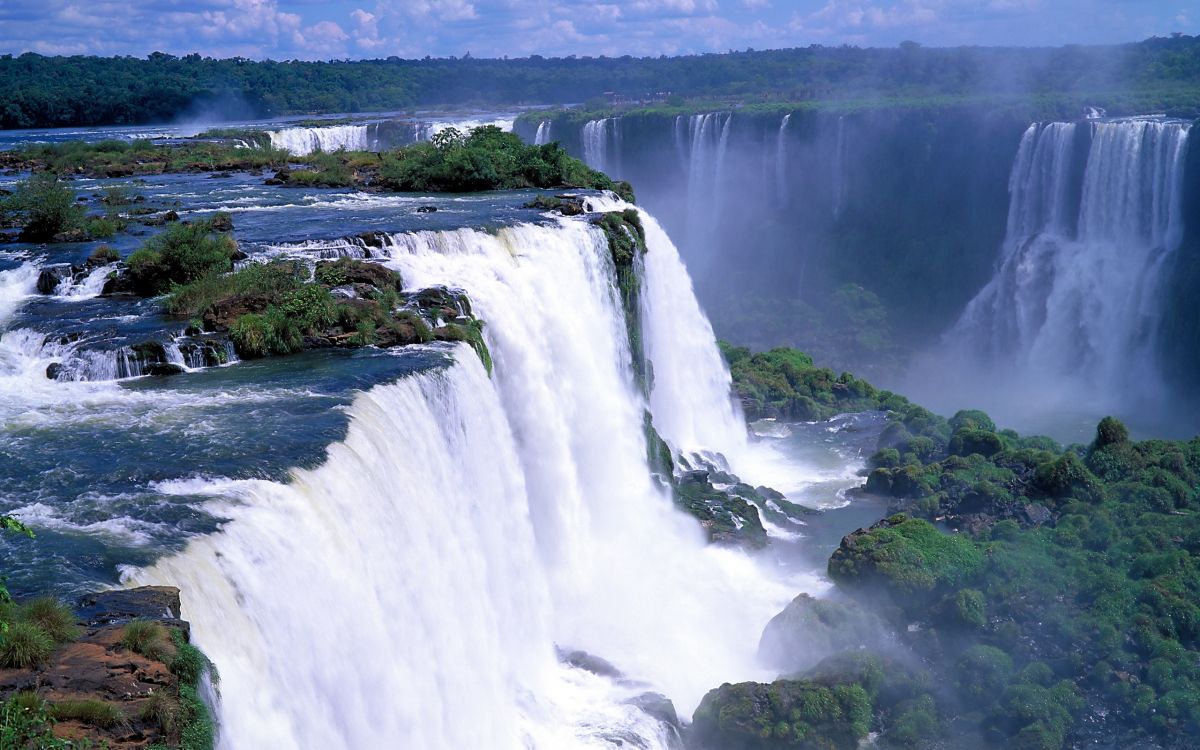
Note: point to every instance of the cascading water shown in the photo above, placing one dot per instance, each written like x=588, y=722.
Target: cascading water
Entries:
x=15, y=285
x=542, y=137
x=304, y=141
x=411, y=591
x=1092, y=227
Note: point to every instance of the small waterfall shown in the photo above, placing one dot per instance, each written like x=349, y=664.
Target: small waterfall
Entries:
x=781, y=173
x=709, y=138
x=542, y=137
x=304, y=141
x=468, y=525
x=87, y=287
x=600, y=139
x=1092, y=226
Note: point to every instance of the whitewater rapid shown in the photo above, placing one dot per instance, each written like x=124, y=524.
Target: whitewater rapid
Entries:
x=412, y=591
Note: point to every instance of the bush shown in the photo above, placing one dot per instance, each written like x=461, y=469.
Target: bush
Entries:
x=48, y=206
x=180, y=254
x=25, y=645
x=103, y=255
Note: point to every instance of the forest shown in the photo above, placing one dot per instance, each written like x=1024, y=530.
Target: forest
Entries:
x=40, y=91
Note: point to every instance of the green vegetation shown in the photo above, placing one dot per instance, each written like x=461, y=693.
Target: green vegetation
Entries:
x=26, y=724
x=58, y=91
x=183, y=253
x=45, y=206
x=25, y=645
x=30, y=633
x=784, y=383
x=486, y=159
x=799, y=714
x=124, y=159
x=1072, y=581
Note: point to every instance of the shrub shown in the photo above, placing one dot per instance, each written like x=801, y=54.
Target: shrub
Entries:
x=180, y=254
x=189, y=664
x=48, y=206
x=25, y=645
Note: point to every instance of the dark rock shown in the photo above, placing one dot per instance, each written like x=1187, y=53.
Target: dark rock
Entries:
x=73, y=235
x=426, y=209
x=589, y=663
x=1036, y=514
x=349, y=271
x=53, y=370
x=150, y=351
x=51, y=276
x=118, y=282
x=220, y=175
x=274, y=181
x=440, y=302
x=221, y=222
x=222, y=313
x=144, y=603
x=163, y=369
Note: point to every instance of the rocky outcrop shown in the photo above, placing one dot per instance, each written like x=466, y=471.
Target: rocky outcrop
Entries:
x=125, y=678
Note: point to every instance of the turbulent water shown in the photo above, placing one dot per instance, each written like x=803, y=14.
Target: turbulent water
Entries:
x=1074, y=307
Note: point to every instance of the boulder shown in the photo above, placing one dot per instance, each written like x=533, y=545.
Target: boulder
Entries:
x=162, y=369
x=221, y=222
x=51, y=276
x=222, y=313
x=589, y=663
x=426, y=209
x=809, y=630
x=122, y=605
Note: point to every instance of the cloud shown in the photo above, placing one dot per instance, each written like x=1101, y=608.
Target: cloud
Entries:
x=414, y=28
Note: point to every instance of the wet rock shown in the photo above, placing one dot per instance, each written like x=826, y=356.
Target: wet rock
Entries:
x=73, y=235
x=440, y=302
x=345, y=271
x=1036, y=514
x=658, y=706
x=221, y=222
x=51, y=276
x=426, y=209
x=123, y=605
x=162, y=369
x=118, y=282
x=589, y=663
x=53, y=370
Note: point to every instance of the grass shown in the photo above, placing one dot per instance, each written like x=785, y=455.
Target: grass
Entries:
x=147, y=638
x=55, y=618
x=91, y=712
x=25, y=645
x=164, y=711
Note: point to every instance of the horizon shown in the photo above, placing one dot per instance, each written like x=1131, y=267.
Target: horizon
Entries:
x=285, y=30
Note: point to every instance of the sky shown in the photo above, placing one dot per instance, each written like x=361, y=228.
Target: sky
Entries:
x=327, y=29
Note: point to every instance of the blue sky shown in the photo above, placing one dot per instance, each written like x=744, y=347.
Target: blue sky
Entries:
x=315, y=29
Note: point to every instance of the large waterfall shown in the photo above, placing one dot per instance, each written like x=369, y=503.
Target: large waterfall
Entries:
x=1094, y=218
x=412, y=591
x=374, y=136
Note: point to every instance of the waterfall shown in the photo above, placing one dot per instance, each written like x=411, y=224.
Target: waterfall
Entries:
x=16, y=284
x=1092, y=225
x=542, y=137
x=411, y=591
x=602, y=145
x=709, y=138
x=781, y=188
x=304, y=141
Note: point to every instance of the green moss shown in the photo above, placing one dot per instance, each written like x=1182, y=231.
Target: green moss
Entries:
x=784, y=714
x=907, y=556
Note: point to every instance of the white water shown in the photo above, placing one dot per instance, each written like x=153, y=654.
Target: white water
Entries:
x=88, y=287
x=410, y=592
x=304, y=141
x=542, y=136
x=16, y=285
x=1076, y=297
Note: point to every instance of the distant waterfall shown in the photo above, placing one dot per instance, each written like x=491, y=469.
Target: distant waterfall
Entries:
x=602, y=145
x=304, y=141
x=839, y=168
x=1094, y=217
x=781, y=174
x=410, y=592
x=708, y=136
x=542, y=137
